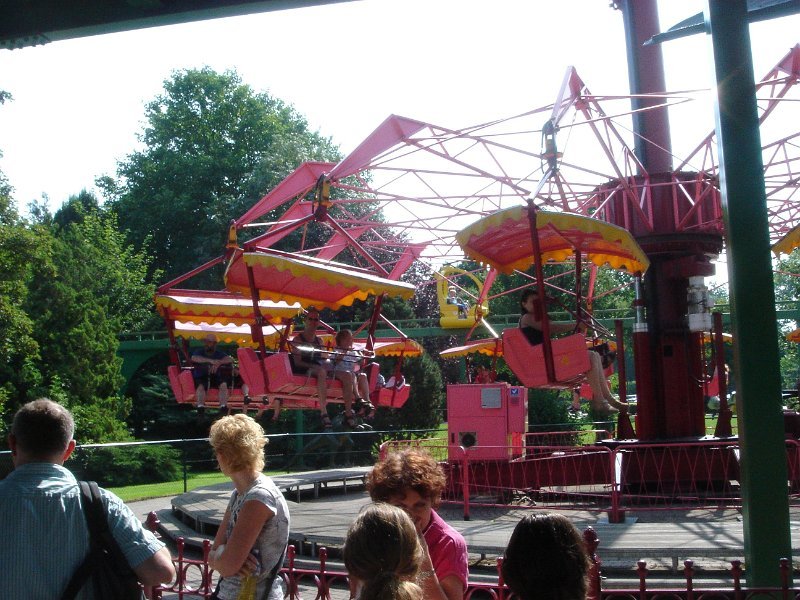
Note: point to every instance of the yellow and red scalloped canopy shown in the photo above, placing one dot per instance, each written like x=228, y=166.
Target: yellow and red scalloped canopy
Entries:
x=198, y=306
x=788, y=242
x=503, y=240
x=489, y=347
x=317, y=283
x=793, y=336
x=393, y=347
x=229, y=333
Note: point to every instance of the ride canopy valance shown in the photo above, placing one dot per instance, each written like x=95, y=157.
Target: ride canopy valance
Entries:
x=488, y=347
x=311, y=282
x=788, y=242
x=241, y=335
x=224, y=308
x=502, y=240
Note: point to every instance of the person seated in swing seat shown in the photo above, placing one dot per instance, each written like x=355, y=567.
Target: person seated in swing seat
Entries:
x=354, y=383
x=210, y=366
x=312, y=363
x=530, y=323
x=452, y=298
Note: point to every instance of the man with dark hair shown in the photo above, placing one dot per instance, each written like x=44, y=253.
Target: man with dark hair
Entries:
x=45, y=536
x=207, y=364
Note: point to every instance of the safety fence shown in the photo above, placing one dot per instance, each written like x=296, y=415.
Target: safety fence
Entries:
x=195, y=579
x=120, y=464
x=549, y=471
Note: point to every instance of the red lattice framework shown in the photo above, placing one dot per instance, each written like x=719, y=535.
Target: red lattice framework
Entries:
x=410, y=186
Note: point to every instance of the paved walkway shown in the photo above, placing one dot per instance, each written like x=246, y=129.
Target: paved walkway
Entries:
x=329, y=501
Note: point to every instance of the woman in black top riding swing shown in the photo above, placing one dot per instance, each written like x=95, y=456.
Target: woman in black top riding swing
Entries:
x=530, y=322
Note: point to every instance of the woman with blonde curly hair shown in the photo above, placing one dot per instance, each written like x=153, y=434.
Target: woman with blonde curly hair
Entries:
x=251, y=541
x=414, y=481
x=382, y=554
x=546, y=559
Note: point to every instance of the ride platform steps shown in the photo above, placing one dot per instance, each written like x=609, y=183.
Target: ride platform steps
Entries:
x=322, y=505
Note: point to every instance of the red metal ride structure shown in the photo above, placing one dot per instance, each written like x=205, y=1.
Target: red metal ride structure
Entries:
x=431, y=181
x=608, y=157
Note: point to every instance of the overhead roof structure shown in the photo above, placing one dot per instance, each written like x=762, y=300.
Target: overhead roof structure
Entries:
x=757, y=10
x=35, y=22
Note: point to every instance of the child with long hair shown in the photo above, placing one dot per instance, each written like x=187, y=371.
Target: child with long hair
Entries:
x=382, y=554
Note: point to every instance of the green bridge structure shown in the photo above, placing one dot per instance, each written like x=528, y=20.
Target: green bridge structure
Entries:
x=135, y=348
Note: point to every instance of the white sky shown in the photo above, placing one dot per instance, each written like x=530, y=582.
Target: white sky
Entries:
x=78, y=104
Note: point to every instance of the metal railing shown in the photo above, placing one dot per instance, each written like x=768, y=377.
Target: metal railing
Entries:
x=195, y=579
x=549, y=470
x=112, y=464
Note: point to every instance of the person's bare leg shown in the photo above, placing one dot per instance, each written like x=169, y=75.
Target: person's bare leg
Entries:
x=277, y=405
x=347, y=390
x=321, y=374
x=599, y=384
x=576, y=399
x=363, y=386
x=200, y=396
x=223, y=396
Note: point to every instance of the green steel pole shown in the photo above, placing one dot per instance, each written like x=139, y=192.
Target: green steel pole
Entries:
x=756, y=358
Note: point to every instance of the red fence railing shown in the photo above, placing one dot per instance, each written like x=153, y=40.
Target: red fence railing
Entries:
x=196, y=580
x=553, y=471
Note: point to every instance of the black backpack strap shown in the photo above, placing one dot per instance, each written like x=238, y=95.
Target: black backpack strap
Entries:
x=98, y=525
x=82, y=573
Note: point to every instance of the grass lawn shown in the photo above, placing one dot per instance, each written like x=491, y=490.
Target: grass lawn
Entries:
x=132, y=493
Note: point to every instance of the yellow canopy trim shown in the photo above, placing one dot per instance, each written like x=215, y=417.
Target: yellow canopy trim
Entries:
x=195, y=309
x=788, y=242
x=488, y=347
x=630, y=257
x=229, y=333
x=335, y=276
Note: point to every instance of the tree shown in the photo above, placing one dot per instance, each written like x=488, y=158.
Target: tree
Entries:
x=20, y=248
x=90, y=289
x=426, y=402
x=213, y=146
x=787, y=289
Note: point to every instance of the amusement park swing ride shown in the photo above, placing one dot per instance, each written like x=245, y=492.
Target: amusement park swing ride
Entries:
x=497, y=194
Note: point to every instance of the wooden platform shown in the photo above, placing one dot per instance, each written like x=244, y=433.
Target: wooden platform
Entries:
x=322, y=505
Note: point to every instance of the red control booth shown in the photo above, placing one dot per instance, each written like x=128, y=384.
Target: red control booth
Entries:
x=489, y=420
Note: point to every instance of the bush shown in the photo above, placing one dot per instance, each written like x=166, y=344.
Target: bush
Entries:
x=117, y=466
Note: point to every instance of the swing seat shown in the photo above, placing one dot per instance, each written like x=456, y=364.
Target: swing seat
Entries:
x=384, y=396
x=570, y=360
x=390, y=397
x=300, y=391
x=183, y=387
x=182, y=384
x=293, y=390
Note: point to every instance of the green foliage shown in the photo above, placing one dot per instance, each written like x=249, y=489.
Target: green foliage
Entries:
x=68, y=286
x=91, y=287
x=21, y=247
x=547, y=408
x=787, y=278
x=212, y=147
x=787, y=289
x=127, y=465
x=425, y=406
x=102, y=420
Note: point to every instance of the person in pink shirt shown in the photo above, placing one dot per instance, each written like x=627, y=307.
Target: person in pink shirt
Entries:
x=414, y=481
